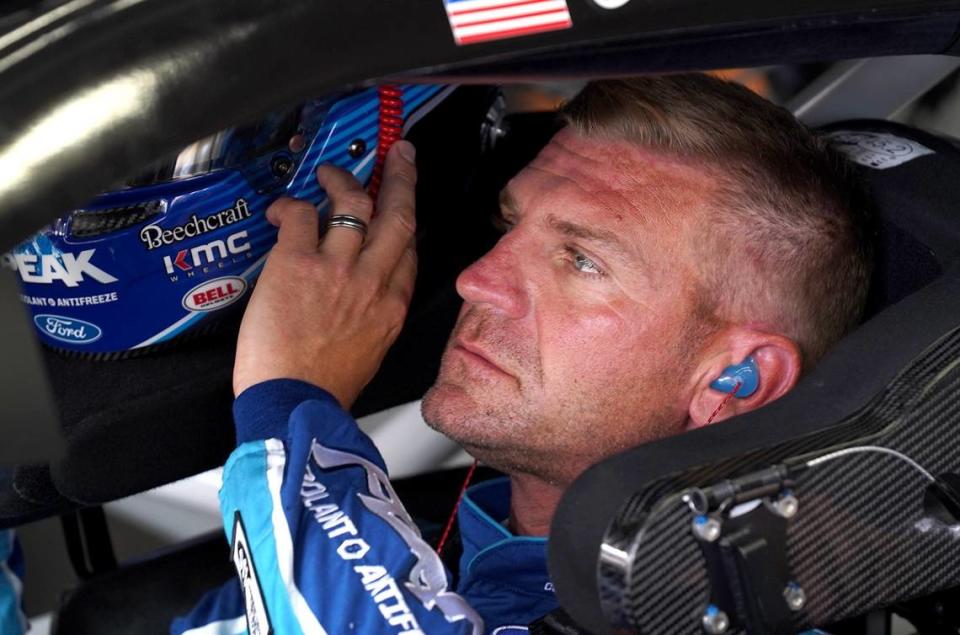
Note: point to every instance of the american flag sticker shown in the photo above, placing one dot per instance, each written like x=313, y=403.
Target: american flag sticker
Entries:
x=483, y=20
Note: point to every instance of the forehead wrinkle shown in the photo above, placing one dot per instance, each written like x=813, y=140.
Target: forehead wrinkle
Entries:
x=622, y=153
x=566, y=184
x=621, y=209
x=575, y=230
x=606, y=179
x=659, y=180
x=644, y=194
x=586, y=187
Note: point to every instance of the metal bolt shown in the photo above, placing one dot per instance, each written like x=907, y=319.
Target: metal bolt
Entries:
x=706, y=528
x=787, y=505
x=281, y=166
x=356, y=148
x=715, y=621
x=297, y=143
x=496, y=133
x=795, y=597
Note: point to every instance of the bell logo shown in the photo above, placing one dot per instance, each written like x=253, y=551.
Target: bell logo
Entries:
x=215, y=294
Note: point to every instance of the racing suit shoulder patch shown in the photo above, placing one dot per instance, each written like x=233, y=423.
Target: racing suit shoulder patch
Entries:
x=258, y=618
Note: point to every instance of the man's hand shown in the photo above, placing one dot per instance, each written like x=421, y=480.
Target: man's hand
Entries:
x=326, y=311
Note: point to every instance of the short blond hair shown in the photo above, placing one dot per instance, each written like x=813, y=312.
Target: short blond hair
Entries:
x=784, y=194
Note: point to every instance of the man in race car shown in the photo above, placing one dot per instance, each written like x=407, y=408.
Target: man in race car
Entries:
x=676, y=227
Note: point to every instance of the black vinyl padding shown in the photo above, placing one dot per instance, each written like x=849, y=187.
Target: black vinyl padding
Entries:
x=919, y=232
x=16, y=507
x=148, y=419
x=144, y=597
x=919, y=199
x=921, y=195
x=896, y=277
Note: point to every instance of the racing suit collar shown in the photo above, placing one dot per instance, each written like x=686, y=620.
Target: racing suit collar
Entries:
x=490, y=550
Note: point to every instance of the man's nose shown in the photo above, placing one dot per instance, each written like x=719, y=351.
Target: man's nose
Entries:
x=495, y=280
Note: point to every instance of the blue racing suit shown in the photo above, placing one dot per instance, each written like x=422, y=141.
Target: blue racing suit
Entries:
x=12, y=619
x=322, y=545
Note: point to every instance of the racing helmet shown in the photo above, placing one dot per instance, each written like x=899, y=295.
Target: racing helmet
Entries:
x=168, y=252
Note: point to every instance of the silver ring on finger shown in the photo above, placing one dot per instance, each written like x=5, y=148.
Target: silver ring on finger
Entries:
x=346, y=220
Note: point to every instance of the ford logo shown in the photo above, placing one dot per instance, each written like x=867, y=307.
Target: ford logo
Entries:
x=70, y=330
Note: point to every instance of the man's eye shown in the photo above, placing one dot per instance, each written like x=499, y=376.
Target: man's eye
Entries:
x=585, y=265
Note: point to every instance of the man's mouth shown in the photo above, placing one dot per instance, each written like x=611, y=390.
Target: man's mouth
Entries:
x=476, y=355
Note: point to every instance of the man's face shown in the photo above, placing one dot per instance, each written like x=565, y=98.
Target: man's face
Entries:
x=579, y=328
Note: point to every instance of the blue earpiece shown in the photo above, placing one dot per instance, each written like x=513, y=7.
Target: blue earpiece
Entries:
x=746, y=373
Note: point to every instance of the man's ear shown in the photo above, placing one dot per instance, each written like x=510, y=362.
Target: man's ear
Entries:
x=778, y=361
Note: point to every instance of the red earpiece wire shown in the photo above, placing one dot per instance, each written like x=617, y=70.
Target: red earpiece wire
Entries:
x=453, y=514
x=724, y=402
x=466, y=481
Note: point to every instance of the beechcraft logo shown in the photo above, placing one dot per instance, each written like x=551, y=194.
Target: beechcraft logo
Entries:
x=258, y=620
x=475, y=21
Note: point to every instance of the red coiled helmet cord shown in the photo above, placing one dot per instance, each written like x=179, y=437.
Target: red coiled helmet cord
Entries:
x=391, y=130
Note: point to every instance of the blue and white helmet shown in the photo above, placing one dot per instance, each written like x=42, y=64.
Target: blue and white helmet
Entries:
x=153, y=260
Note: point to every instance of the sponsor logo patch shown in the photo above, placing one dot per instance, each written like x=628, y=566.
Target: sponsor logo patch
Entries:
x=215, y=294
x=258, y=619
x=426, y=579
x=475, y=21
x=877, y=150
x=70, y=269
x=215, y=251
x=66, y=329
x=154, y=236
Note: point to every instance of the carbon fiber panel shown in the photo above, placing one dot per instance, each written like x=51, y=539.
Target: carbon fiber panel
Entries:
x=860, y=540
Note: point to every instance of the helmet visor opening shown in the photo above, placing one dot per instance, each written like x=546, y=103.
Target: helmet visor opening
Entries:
x=232, y=147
